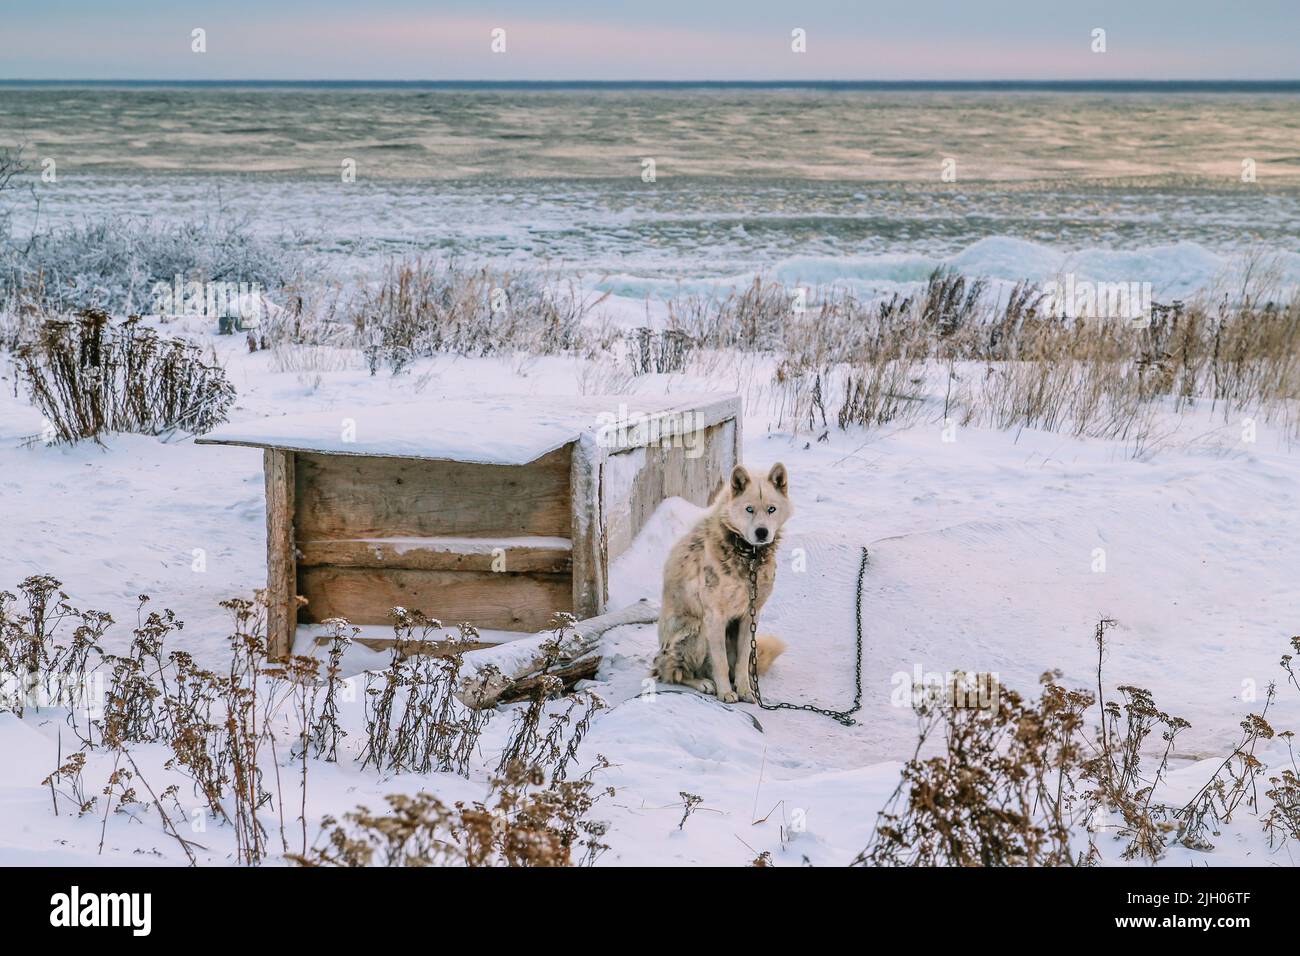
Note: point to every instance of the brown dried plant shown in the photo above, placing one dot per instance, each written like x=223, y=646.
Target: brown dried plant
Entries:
x=89, y=377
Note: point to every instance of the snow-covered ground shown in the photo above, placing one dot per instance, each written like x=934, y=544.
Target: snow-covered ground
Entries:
x=996, y=551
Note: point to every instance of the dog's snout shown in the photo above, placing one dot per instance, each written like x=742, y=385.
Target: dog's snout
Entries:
x=760, y=534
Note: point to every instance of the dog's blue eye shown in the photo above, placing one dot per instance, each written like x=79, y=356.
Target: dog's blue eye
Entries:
x=750, y=509
x=771, y=509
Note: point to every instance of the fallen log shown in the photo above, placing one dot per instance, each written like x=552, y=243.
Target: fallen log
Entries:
x=491, y=673
x=569, y=675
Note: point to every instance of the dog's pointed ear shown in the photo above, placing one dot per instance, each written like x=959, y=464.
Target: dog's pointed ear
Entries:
x=739, y=480
x=779, y=479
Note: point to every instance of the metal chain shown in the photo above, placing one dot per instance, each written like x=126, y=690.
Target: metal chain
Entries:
x=843, y=716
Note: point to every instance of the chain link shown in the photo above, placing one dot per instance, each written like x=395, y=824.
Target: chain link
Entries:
x=843, y=716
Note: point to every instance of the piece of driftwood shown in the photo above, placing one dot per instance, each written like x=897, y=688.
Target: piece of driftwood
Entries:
x=568, y=675
x=492, y=672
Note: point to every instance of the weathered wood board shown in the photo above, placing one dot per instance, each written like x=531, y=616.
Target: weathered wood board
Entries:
x=434, y=554
x=281, y=567
x=502, y=601
x=635, y=488
x=350, y=496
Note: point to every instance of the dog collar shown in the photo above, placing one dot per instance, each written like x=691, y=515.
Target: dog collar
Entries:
x=750, y=552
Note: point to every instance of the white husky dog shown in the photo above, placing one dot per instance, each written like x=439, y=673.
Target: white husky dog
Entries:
x=704, y=621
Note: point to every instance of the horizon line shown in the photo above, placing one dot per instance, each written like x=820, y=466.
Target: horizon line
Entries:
x=1118, y=85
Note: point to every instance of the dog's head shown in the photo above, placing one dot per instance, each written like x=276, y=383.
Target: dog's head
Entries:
x=755, y=508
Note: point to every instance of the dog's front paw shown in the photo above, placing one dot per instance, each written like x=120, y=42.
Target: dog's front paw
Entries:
x=729, y=697
x=746, y=695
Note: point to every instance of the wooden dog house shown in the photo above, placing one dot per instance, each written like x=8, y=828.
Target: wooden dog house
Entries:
x=495, y=511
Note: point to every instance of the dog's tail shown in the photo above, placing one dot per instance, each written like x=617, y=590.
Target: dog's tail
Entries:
x=770, y=648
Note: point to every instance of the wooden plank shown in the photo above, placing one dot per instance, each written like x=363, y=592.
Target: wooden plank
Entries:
x=281, y=583
x=431, y=554
x=409, y=648
x=589, y=585
x=663, y=472
x=340, y=496
x=508, y=602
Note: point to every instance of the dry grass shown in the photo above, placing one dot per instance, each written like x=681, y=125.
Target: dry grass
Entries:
x=1024, y=782
x=991, y=798
x=827, y=357
x=527, y=824
x=311, y=363
x=90, y=377
x=418, y=309
x=413, y=720
x=1015, y=781
x=842, y=360
x=832, y=358
x=227, y=733
x=953, y=352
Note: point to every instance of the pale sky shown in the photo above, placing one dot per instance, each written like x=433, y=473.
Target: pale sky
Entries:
x=650, y=39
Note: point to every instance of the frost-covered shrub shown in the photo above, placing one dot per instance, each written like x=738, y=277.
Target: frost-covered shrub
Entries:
x=420, y=309
x=115, y=265
x=89, y=377
x=658, y=352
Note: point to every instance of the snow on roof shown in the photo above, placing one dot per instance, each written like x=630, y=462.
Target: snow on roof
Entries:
x=497, y=429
